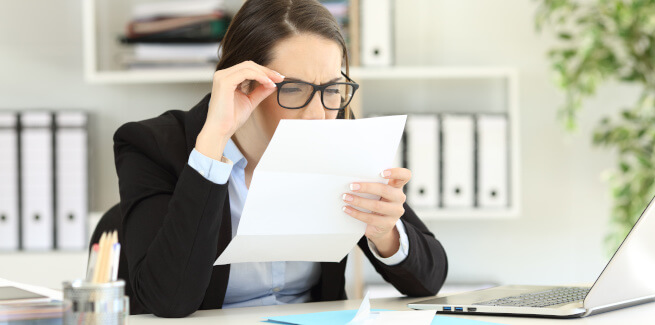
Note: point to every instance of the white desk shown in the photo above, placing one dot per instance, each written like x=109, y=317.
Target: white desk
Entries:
x=643, y=314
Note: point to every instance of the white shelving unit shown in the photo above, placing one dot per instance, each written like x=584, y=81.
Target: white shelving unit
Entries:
x=100, y=37
x=507, y=76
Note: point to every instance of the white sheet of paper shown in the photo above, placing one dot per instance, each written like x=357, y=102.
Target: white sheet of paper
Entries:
x=293, y=211
x=51, y=293
x=363, y=313
x=364, y=316
x=409, y=317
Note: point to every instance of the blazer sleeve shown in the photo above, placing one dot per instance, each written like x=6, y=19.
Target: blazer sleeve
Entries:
x=170, y=224
x=424, y=270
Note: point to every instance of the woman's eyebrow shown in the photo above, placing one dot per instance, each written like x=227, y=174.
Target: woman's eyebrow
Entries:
x=298, y=79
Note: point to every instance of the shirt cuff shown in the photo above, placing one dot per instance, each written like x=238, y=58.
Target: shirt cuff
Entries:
x=213, y=170
x=402, y=252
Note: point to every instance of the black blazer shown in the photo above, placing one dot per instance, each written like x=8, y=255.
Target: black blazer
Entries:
x=176, y=223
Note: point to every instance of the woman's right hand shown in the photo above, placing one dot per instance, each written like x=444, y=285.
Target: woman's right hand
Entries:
x=231, y=104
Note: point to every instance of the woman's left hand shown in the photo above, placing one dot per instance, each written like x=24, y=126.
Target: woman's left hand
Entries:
x=385, y=212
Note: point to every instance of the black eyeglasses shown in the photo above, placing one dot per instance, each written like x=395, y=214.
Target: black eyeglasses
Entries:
x=294, y=94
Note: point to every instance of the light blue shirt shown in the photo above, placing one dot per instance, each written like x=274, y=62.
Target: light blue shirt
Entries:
x=266, y=283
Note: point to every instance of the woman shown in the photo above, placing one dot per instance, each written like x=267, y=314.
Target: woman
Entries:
x=184, y=176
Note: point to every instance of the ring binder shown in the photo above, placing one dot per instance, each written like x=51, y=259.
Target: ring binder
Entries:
x=71, y=180
x=9, y=221
x=36, y=173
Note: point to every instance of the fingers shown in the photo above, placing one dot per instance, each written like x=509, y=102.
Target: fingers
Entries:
x=397, y=177
x=262, y=74
x=242, y=78
x=382, y=224
x=375, y=206
x=385, y=191
x=259, y=94
x=270, y=73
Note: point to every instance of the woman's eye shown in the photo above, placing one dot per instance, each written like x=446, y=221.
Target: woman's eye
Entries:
x=290, y=90
x=332, y=91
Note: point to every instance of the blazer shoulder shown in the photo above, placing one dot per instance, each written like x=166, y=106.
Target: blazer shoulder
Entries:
x=162, y=138
x=153, y=127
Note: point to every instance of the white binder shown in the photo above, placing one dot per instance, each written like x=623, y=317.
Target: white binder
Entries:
x=9, y=221
x=493, y=167
x=422, y=133
x=458, y=161
x=37, y=181
x=71, y=190
x=377, y=32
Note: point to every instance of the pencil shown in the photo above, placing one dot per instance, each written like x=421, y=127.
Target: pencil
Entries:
x=106, y=258
x=110, y=257
x=114, y=267
x=96, y=269
x=92, y=262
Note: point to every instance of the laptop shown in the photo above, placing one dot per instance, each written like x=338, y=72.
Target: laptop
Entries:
x=627, y=280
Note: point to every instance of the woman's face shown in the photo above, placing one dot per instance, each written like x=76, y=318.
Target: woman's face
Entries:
x=304, y=57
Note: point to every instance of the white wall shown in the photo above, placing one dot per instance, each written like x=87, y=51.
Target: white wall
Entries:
x=558, y=237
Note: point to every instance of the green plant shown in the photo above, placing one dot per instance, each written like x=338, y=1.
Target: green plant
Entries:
x=600, y=41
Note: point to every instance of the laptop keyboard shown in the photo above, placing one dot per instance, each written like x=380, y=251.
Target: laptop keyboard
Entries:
x=546, y=298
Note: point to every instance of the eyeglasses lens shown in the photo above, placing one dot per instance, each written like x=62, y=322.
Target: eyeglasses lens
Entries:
x=296, y=95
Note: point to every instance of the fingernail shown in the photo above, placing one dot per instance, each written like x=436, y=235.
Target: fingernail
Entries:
x=347, y=197
x=279, y=74
x=345, y=209
x=355, y=187
x=385, y=173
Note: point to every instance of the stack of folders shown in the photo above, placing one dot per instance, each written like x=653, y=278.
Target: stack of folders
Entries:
x=19, y=306
x=28, y=304
x=457, y=160
x=28, y=313
x=175, y=34
x=43, y=180
x=340, y=10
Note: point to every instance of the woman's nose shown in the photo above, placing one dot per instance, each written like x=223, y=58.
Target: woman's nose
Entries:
x=314, y=110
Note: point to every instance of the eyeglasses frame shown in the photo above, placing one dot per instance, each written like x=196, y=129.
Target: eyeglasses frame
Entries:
x=317, y=88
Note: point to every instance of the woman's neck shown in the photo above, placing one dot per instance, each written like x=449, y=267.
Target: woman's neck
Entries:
x=252, y=142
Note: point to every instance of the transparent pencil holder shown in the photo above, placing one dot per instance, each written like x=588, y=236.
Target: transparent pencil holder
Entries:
x=95, y=303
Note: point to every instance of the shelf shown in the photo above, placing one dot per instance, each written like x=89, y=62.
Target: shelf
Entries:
x=430, y=72
x=357, y=73
x=150, y=76
x=100, y=48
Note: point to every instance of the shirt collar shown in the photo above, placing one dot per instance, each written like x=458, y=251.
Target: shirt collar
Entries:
x=231, y=152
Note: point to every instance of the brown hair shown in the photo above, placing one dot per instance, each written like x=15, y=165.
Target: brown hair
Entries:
x=260, y=24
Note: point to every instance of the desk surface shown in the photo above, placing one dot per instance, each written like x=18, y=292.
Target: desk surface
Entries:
x=643, y=314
